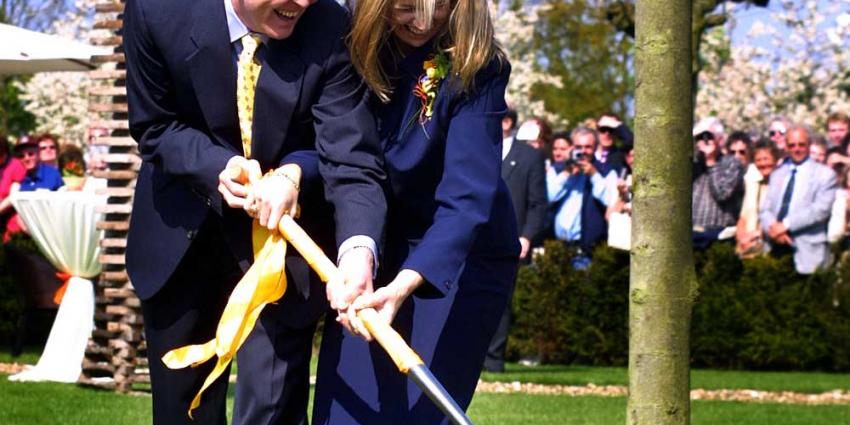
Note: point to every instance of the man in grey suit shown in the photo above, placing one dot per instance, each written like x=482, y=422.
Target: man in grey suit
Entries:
x=799, y=201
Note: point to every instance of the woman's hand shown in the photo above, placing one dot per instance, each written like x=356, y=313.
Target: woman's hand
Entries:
x=274, y=195
x=386, y=301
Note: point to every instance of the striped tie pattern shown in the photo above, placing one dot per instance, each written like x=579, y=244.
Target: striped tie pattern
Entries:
x=246, y=82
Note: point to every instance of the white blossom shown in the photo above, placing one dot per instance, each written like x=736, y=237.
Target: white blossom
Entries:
x=59, y=100
x=515, y=33
x=804, y=75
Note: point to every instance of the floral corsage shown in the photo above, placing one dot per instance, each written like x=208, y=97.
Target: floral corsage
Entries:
x=436, y=69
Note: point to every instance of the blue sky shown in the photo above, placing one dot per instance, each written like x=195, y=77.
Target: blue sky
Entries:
x=745, y=17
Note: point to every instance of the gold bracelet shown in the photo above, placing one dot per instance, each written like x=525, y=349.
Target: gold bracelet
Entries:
x=281, y=173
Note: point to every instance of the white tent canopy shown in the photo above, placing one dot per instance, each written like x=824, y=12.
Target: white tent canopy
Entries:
x=26, y=52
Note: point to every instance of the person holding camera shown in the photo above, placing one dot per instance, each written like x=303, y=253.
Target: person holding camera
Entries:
x=718, y=183
x=581, y=193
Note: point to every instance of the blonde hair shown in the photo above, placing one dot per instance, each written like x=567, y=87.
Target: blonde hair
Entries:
x=469, y=40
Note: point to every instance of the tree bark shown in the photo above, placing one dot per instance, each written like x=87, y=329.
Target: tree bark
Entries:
x=663, y=280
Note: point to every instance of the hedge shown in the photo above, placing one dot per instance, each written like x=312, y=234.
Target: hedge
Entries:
x=755, y=314
x=10, y=308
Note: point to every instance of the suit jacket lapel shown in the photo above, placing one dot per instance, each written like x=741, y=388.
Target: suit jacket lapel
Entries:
x=510, y=162
x=213, y=71
x=277, y=93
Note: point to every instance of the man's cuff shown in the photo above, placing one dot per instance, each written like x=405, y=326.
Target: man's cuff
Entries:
x=360, y=241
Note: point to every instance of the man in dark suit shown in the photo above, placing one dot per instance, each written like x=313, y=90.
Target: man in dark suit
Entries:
x=190, y=237
x=524, y=172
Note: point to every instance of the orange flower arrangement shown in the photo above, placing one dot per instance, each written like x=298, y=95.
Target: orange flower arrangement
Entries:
x=436, y=70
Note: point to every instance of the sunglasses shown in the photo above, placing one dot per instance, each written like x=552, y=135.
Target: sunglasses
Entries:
x=47, y=148
x=739, y=151
x=25, y=154
x=704, y=136
x=772, y=133
x=608, y=130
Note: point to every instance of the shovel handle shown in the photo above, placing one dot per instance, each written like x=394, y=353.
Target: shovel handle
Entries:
x=402, y=355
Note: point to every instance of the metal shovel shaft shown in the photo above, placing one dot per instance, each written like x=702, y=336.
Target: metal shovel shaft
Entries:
x=435, y=391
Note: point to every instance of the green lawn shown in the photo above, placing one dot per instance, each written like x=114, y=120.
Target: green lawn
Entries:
x=47, y=404
x=804, y=382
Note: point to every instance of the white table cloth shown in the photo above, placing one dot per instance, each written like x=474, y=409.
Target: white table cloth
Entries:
x=63, y=226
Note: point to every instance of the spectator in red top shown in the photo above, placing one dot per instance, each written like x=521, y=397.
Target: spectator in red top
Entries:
x=11, y=172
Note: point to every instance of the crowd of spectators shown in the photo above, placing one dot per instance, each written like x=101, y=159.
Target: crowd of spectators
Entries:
x=782, y=189
x=38, y=162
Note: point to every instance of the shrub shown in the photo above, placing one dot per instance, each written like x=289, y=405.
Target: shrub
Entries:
x=564, y=316
x=10, y=308
x=757, y=314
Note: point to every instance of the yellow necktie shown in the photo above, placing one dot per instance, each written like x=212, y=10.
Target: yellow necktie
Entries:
x=246, y=82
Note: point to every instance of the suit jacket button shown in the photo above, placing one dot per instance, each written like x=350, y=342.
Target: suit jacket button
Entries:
x=448, y=284
x=191, y=234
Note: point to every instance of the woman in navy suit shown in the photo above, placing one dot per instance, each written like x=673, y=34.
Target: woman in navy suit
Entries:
x=450, y=256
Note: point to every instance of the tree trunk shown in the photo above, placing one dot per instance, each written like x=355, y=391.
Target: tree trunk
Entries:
x=663, y=280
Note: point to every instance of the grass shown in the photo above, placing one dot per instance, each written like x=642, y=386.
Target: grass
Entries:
x=50, y=403
x=47, y=403
x=803, y=382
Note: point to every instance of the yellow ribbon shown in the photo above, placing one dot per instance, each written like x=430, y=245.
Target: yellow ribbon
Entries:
x=265, y=282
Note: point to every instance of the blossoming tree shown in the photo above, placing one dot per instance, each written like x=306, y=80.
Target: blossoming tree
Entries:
x=516, y=35
x=59, y=100
x=799, y=68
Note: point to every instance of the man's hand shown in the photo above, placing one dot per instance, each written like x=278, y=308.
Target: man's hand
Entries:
x=386, y=301
x=274, y=195
x=587, y=167
x=233, y=180
x=525, y=246
x=784, y=239
x=356, y=269
x=779, y=233
x=709, y=149
x=608, y=121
